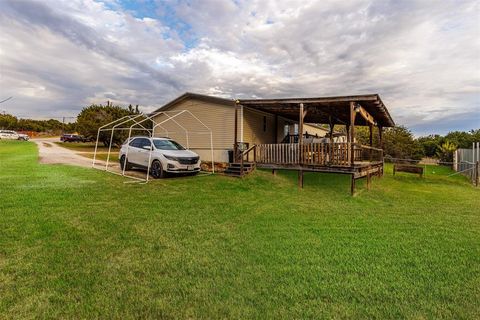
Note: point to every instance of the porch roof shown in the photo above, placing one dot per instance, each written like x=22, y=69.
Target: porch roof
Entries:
x=319, y=110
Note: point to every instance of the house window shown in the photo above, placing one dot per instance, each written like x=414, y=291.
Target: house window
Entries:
x=264, y=124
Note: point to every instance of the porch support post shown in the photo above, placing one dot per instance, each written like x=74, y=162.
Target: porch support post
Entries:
x=380, y=141
x=352, y=185
x=276, y=130
x=371, y=135
x=300, y=145
x=235, y=135
x=331, y=125
x=370, y=127
x=300, y=133
x=300, y=178
x=353, y=113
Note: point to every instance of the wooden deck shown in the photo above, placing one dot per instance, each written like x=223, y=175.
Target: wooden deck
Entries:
x=320, y=157
x=344, y=158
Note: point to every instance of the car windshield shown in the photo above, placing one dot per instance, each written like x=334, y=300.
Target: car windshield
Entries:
x=167, y=145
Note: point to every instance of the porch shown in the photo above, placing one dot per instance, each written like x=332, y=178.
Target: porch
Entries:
x=339, y=113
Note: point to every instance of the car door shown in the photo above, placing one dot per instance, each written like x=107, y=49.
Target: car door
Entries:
x=132, y=151
x=136, y=153
x=143, y=151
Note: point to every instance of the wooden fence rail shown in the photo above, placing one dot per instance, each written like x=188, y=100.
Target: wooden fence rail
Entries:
x=321, y=154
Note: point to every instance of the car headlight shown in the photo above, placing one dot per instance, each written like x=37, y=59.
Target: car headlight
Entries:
x=171, y=158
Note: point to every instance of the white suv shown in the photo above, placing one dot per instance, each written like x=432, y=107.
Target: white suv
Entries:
x=167, y=156
x=13, y=135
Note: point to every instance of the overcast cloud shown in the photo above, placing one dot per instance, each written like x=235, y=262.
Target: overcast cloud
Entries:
x=422, y=57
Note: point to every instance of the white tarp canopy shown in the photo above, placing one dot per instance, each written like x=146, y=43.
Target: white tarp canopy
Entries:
x=138, y=123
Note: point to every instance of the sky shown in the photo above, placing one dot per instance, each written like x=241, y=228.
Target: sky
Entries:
x=421, y=57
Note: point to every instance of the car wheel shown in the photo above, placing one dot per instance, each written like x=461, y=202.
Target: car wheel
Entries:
x=156, y=170
x=124, y=163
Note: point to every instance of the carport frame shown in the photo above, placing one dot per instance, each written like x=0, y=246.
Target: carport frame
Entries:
x=114, y=125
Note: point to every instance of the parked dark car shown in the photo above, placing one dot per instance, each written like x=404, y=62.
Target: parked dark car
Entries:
x=73, y=138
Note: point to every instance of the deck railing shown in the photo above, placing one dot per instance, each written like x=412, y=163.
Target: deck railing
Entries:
x=315, y=154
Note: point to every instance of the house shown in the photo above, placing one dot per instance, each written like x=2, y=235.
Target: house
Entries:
x=218, y=114
x=260, y=133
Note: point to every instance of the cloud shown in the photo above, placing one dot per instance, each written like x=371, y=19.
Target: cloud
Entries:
x=422, y=57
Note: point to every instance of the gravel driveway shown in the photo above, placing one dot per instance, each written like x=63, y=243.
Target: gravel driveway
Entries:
x=51, y=153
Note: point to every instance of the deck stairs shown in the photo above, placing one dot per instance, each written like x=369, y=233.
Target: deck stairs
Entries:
x=234, y=169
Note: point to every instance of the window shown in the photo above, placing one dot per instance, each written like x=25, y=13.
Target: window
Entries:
x=144, y=142
x=134, y=143
x=264, y=123
x=140, y=142
x=167, y=145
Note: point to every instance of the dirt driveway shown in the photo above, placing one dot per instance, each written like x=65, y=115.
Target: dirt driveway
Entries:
x=51, y=153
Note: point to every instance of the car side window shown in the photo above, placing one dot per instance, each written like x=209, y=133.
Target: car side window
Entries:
x=144, y=142
x=134, y=143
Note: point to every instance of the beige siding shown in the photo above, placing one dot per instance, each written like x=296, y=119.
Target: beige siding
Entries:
x=220, y=119
x=253, y=129
x=281, y=128
x=217, y=117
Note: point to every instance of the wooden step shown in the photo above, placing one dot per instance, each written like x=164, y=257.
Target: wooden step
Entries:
x=245, y=165
x=234, y=169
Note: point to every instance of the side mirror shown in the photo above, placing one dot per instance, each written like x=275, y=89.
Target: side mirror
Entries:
x=147, y=148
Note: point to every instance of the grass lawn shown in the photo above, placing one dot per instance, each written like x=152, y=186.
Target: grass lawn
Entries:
x=81, y=243
x=102, y=156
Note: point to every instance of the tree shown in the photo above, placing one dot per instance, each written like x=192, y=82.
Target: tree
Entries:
x=461, y=139
x=430, y=144
x=93, y=117
x=398, y=142
x=362, y=135
x=446, y=150
x=8, y=122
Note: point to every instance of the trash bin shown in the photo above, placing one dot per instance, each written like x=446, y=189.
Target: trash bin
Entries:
x=230, y=156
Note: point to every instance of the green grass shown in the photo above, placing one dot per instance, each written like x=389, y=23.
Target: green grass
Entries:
x=81, y=243
x=102, y=156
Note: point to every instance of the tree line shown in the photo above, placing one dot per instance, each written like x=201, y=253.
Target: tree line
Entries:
x=51, y=126
x=399, y=142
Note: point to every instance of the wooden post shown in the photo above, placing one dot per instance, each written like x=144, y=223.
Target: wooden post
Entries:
x=331, y=125
x=276, y=130
x=370, y=127
x=371, y=135
x=380, y=141
x=300, y=145
x=300, y=178
x=353, y=113
x=300, y=134
x=235, y=135
x=274, y=172
x=352, y=185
